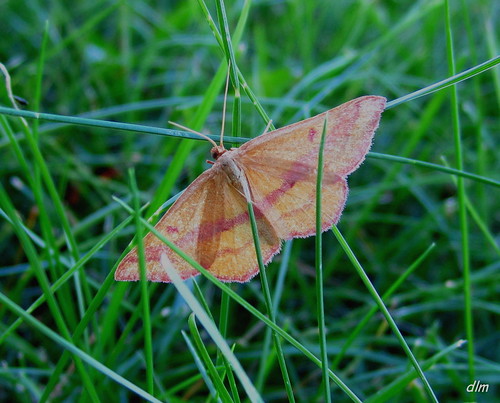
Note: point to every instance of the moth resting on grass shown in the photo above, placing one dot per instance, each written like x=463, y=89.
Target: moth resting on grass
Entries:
x=278, y=169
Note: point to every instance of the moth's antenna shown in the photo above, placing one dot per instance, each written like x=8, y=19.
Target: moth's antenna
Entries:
x=193, y=131
x=224, y=106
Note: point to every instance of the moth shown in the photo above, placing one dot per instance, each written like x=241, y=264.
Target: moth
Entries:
x=278, y=171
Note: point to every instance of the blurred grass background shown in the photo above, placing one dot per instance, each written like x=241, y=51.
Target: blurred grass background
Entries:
x=150, y=62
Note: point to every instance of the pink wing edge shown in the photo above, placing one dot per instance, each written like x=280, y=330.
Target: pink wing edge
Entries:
x=381, y=101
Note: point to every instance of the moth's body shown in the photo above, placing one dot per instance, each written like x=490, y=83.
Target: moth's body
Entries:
x=277, y=172
x=234, y=173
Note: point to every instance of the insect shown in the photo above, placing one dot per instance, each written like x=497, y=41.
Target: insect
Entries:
x=277, y=170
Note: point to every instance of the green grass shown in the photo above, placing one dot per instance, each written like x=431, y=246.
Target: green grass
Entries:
x=420, y=227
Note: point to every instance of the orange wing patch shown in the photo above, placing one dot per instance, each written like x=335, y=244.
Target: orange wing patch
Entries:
x=235, y=259
x=179, y=222
x=288, y=197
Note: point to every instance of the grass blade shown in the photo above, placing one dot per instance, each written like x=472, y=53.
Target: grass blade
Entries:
x=319, y=273
x=75, y=350
x=462, y=206
x=148, y=343
x=384, y=311
x=212, y=330
x=202, y=350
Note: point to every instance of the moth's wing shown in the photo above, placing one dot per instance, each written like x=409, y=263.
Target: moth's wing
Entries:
x=184, y=216
x=235, y=258
x=281, y=166
x=209, y=222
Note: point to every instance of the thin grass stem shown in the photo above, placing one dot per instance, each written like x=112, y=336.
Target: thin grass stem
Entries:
x=320, y=303
x=267, y=298
x=146, y=318
x=384, y=311
x=462, y=203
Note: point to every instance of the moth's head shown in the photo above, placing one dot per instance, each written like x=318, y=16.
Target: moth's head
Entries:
x=217, y=151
